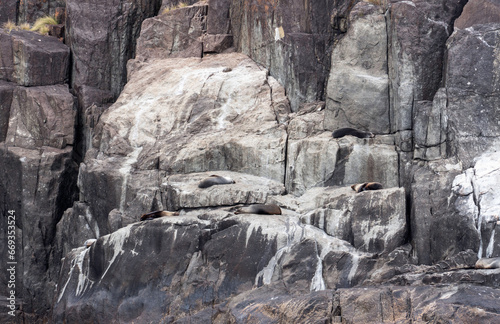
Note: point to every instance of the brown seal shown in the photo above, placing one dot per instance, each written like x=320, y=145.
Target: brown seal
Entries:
x=488, y=263
x=214, y=180
x=158, y=213
x=351, y=131
x=366, y=186
x=268, y=209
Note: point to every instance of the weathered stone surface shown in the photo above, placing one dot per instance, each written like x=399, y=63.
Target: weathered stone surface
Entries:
x=460, y=304
x=102, y=37
x=217, y=43
x=42, y=116
x=38, y=184
x=8, y=10
x=417, y=34
x=358, y=85
x=473, y=93
x=31, y=59
x=192, y=261
x=177, y=33
x=200, y=110
x=30, y=10
x=438, y=229
x=6, y=94
x=292, y=39
x=476, y=189
x=181, y=191
x=477, y=12
x=218, y=20
x=372, y=221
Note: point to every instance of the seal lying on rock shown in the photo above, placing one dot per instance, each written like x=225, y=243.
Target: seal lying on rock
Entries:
x=270, y=209
x=214, y=180
x=351, y=131
x=366, y=186
x=488, y=263
x=89, y=242
x=158, y=213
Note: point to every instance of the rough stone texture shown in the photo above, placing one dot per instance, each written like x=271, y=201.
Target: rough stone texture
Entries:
x=8, y=10
x=358, y=85
x=31, y=59
x=202, y=272
x=200, y=111
x=417, y=34
x=181, y=191
x=372, y=221
x=31, y=10
x=478, y=12
x=39, y=185
x=6, y=94
x=438, y=229
x=292, y=39
x=41, y=116
x=473, y=93
x=177, y=33
x=102, y=37
x=477, y=198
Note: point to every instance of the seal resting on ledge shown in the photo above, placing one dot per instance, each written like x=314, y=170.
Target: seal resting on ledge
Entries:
x=214, y=180
x=158, y=213
x=263, y=209
x=351, y=131
x=366, y=186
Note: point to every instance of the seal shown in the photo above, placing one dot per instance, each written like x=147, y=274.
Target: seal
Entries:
x=488, y=263
x=158, y=213
x=89, y=242
x=366, y=186
x=268, y=209
x=351, y=131
x=214, y=180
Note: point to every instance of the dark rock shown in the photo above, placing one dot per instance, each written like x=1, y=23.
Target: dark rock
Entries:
x=218, y=17
x=31, y=59
x=38, y=184
x=102, y=38
x=291, y=39
x=217, y=43
x=6, y=95
x=42, y=116
x=30, y=10
x=8, y=10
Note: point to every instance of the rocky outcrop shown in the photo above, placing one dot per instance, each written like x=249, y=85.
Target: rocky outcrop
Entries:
x=31, y=59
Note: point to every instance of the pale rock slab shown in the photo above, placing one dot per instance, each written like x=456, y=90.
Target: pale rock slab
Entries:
x=358, y=85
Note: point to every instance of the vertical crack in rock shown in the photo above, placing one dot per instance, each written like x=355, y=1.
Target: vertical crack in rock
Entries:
x=117, y=240
x=318, y=282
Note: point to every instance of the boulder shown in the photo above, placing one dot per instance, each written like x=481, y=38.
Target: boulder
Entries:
x=30, y=10
x=31, y=59
x=176, y=33
x=8, y=11
x=42, y=116
x=358, y=84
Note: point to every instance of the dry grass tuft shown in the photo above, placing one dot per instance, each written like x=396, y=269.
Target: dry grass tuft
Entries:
x=170, y=8
x=9, y=26
x=41, y=25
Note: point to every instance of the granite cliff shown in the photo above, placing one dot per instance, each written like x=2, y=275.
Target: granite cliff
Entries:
x=140, y=100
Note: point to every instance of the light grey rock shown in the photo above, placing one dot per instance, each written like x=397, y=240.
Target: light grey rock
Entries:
x=181, y=191
x=358, y=85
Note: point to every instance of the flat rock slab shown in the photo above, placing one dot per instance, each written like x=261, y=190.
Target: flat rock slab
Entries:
x=182, y=190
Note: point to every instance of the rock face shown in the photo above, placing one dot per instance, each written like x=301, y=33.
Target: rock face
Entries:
x=210, y=89
x=358, y=83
